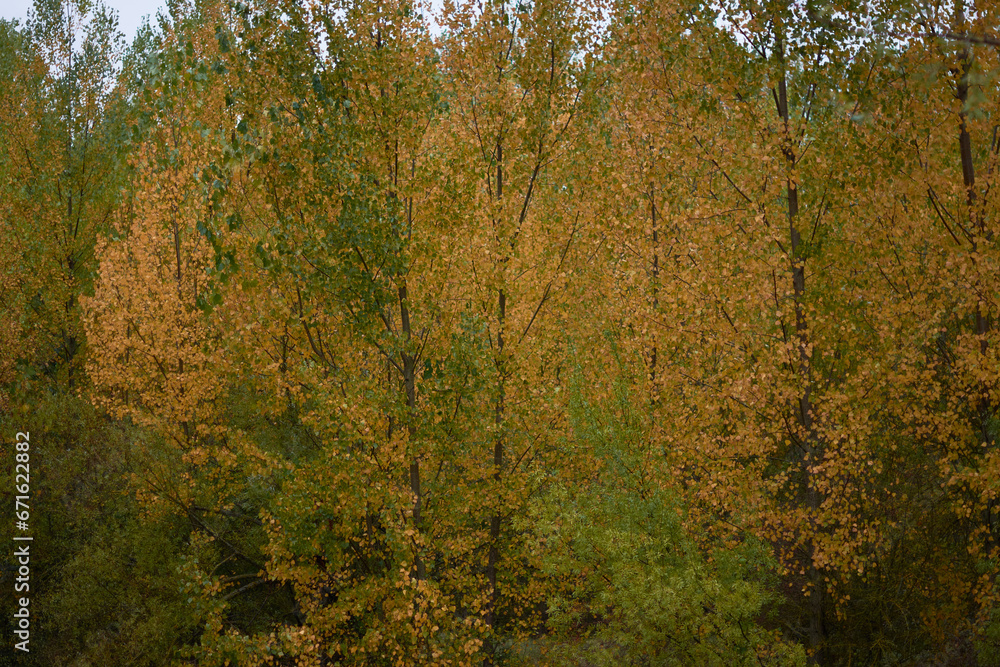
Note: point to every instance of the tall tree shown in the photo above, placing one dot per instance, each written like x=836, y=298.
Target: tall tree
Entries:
x=521, y=89
x=749, y=275
x=64, y=165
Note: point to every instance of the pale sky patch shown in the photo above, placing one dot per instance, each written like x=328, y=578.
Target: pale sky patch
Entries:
x=130, y=12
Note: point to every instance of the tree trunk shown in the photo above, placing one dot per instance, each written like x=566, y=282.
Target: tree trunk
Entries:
x=806, y=437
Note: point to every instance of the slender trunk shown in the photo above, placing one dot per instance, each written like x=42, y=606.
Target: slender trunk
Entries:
x=408, y=359
x=968, y=170
x=978, y=223
x=807, y=434
x=656, y=281
x=410, y=387
x=498, y=444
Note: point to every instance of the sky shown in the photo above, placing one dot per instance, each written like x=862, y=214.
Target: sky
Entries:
x=130, y=12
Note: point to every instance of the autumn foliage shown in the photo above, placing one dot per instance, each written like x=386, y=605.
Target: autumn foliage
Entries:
x=551, y=332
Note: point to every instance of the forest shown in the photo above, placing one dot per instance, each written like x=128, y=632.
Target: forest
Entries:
x=502, y=332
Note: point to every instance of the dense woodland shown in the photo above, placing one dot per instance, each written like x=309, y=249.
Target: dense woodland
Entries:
x=499, y=332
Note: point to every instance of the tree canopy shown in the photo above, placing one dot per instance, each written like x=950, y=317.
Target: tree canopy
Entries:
x=566, y=332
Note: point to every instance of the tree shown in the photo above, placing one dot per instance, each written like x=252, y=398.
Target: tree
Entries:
x=521, y=89
x=748, y=273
